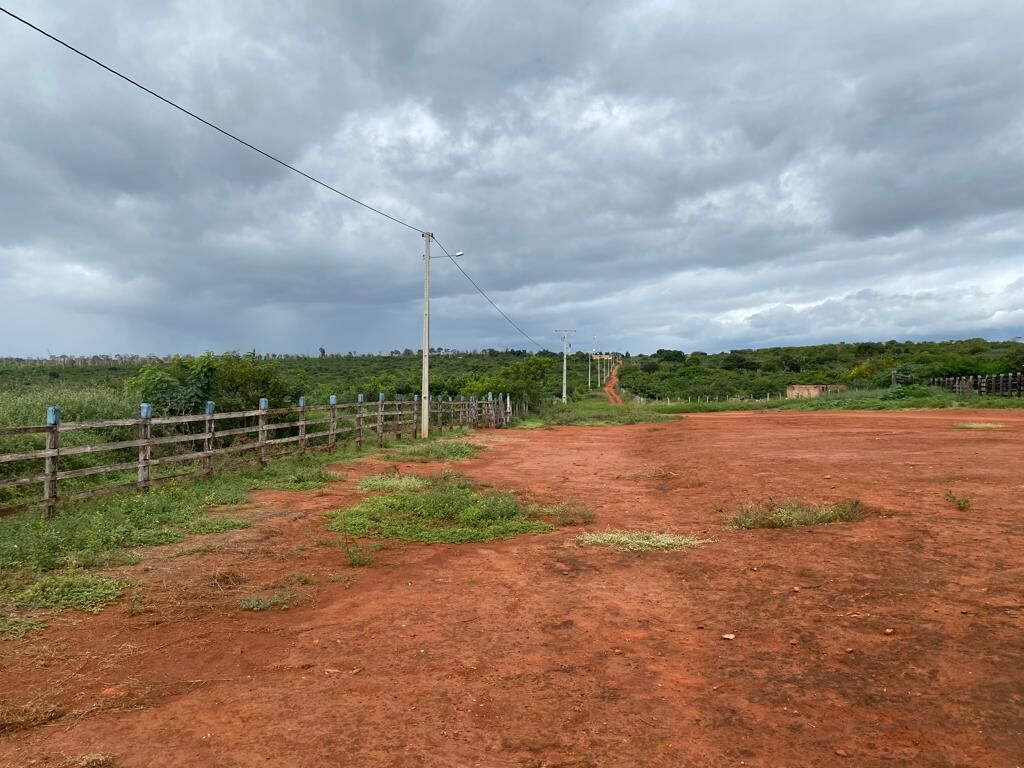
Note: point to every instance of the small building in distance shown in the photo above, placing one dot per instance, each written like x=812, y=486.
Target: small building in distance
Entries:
x=812, y=390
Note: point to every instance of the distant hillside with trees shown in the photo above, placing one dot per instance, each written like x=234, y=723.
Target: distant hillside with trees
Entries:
x=869, y=364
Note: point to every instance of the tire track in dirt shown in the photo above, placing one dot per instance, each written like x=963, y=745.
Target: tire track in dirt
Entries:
x=611, y=387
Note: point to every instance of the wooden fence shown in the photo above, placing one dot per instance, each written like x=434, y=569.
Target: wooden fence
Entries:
x=203, y=440
x=1004, y=384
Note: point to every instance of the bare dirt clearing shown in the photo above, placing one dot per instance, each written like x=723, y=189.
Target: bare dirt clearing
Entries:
x=892, y=641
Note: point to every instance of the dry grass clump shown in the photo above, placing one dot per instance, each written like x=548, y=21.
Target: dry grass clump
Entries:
x=640, y=541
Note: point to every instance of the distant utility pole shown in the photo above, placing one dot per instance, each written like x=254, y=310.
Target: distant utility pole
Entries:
x=565, y=353
x=590, y=361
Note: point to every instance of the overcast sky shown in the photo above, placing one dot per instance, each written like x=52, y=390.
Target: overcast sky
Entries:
x=693, y=175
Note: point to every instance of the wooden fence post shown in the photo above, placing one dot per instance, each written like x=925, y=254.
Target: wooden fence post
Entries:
x=332, y=435
x=208, y=440
x=302, y=425
x=262, y=434
x=380, y=419
x=52, y=444
x=400, y=409
x=415, y=417
x=359, y=422
x=146, y=434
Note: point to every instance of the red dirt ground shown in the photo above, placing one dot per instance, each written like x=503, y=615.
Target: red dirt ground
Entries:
x=611, y=387
x=538, y=652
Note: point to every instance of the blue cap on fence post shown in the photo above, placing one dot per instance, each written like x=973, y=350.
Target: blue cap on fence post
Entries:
x=302, y=401
x=416, y=398
x=380, y=397
x=210, y=407
x=489, y=397
x=264, y=404
x=449, y=398
x=53, y=415
x=462, y=398
x=333, y=400
x=359, y=397
x=146, y=411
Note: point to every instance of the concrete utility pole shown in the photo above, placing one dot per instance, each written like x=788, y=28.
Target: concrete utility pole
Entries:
x=425, y=384
x=565, y=354
x=590, y=362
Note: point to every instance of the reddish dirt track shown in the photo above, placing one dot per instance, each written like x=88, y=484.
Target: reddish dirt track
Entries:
x=611, y=387
x=537, y=652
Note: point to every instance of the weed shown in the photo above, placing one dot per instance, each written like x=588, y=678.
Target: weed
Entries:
x=281, y=600
x=391, y=483
x=435, y=451
x=346, y=579
x=568, y=514
x=640, y=541
x=359, y=555
x=448, y=510
x=14, y=627
x=71, y=590
x=771, y=514
x=301, y=578
x=225, y=579
x=963, y=503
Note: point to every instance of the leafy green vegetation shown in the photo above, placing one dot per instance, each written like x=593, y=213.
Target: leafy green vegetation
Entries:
x=389, y=483
x=963, y=503
x=83, y=591
x=771, y=514
x=14, y=627
x=439, y=450
x=853, y=399
x=640, y=541
x=752, y=373
x=281, y=600
x=449, y=510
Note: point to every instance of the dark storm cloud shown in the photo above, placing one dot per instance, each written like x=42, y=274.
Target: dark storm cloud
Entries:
x=655, y=174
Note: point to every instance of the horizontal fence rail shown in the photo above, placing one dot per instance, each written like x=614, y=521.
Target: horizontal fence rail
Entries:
x=1002, y=384
x=201, y=440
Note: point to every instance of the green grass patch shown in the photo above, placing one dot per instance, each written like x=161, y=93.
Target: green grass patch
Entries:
x=12, y=627
x=391, y=483
x=963, y=503
x=280, y=600
x=893, y=398
x=448, y=510
x=440, y=450
x=790, y=514
x=83, y=591
x=640, y=541
x=978, y=425
x=593, y=411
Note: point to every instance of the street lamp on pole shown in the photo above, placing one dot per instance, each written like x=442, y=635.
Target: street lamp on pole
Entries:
x=425, y=384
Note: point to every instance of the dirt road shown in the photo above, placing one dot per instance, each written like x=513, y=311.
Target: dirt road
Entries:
x=891, y=642
x=611, y=387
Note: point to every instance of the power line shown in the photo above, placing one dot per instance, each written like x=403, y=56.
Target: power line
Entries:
x=484, y=294
x=265, y=154
x=206, y=122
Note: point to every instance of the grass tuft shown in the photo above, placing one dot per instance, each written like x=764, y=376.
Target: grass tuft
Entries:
x=963, y=503
x=12, y=627
x=640, y=541
x=448, y=510
x=771, y=514
x=440, y=450
x=71, y=590
x=391, y=483
x=281, y=600
x=978, y=425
